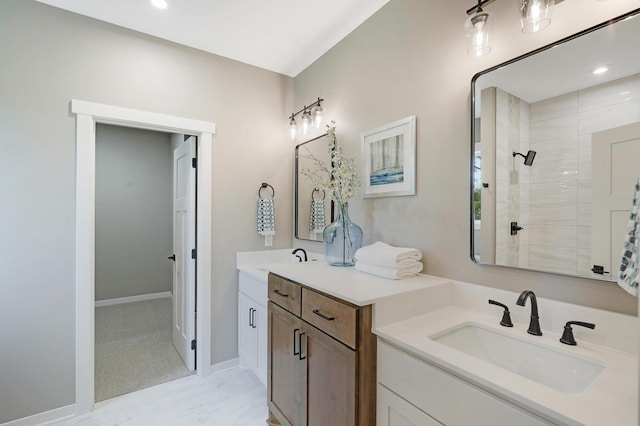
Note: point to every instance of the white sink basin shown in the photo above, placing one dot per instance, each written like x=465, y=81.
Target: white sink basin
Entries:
x=558, y=370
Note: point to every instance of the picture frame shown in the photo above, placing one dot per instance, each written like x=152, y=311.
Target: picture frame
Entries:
x=389, y=159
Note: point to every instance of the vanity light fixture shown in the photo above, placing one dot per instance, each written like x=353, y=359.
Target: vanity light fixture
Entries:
x=160, y=4
x=535, y=15
x=311, y=114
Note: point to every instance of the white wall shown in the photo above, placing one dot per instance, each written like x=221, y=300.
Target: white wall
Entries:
x=50, y=56
x=133, y=212
x=410, y=58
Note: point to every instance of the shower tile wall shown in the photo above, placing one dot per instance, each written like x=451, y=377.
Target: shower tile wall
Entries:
x=560, y=178
x=512, y=179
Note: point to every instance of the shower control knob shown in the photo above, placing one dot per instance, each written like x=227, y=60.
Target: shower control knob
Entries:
x=515, y=228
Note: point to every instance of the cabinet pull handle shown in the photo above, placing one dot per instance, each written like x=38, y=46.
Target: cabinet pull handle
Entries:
x=276, y=291
x=321, y=315
x=253, y=318
x=300, y=357
x=297, y=330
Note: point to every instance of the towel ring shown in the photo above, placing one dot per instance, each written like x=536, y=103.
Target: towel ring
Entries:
x=266, y=185
x=324, y=194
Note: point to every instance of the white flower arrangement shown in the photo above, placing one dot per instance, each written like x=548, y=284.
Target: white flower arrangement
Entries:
x=340, y=179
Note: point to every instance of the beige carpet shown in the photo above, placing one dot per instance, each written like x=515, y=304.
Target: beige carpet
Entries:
x=133, y=348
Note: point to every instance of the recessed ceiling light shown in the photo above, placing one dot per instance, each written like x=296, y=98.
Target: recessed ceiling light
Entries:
x=600, y=70
x=160, y=4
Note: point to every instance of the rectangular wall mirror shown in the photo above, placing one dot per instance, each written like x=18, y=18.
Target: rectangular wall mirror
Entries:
x=556, y=153
x=313, y=209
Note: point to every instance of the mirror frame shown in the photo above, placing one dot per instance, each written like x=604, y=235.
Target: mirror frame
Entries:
x=296, y=189
x=473, y=133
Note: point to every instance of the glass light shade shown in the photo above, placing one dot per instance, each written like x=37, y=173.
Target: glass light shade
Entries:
x=478, y=33
x=317, y=116
x=293, y=128
x=306, y=121
x=535, y=15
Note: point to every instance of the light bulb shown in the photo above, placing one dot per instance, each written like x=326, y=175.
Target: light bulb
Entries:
x=478, y=31
x=160, y=4
x=293, y=128
x=600, y=70
x=317, y=116
x=306, y=121
x=535, y=15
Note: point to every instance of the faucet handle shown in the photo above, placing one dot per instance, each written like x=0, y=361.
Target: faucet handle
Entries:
x=506, y=316
x=567, y=336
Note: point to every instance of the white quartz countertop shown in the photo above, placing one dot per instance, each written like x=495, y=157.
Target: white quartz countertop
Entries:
x=257, y=272
x=347, y=283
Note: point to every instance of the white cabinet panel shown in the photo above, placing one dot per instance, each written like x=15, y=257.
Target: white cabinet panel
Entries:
x=395, y=411
x=246, y=334
x=252, y=326
x=261, y=320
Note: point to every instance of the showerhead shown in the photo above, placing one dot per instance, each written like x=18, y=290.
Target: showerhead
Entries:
x=528, y=159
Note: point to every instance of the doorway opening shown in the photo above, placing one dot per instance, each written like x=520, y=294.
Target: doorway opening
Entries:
x=144, y=272
x=88, y=115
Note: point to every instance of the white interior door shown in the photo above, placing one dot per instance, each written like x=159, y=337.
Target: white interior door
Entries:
x=184, y=231
x=615, y=159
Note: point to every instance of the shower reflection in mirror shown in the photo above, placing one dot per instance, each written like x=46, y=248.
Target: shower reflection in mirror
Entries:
x=555, y=150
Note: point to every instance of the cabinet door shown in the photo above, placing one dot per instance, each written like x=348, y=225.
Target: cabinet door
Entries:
x=246, y=333
x=395, y=411
x=260, y=320
x=286, y=398
x=330, y=380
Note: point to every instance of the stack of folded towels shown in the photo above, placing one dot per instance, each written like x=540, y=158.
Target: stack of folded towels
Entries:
x=387, y=261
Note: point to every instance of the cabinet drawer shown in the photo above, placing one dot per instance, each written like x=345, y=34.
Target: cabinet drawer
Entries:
x=334, y=318
x=285, y=293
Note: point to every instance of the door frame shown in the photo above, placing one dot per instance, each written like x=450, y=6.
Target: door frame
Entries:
x=87, y=115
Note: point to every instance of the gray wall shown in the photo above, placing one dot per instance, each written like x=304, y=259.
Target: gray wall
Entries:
x=133, y=212
x=410, y=58
x=48, y=57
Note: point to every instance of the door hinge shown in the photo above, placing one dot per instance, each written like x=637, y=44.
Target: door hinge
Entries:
x=194, y=254
x=193, y=345
x=194, y=162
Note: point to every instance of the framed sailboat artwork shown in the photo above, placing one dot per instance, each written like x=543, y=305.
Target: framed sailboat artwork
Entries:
x=389, y=159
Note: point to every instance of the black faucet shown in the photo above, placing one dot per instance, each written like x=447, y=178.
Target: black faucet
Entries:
x=567, y=337
x=534, y=324
x=298, y=256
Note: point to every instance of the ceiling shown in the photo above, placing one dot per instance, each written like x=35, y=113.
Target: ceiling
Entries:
x=284, y=36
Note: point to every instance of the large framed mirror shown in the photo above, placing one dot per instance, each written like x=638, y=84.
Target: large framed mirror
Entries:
x=313, y=209
x=555, y=153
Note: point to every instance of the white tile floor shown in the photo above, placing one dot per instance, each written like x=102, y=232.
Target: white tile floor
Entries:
x=232, y=397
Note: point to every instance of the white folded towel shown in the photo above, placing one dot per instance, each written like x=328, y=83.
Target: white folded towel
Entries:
x=381, y=254
x=406, y=271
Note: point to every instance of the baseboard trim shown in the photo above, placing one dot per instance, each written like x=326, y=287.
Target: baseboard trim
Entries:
x=130, y=299
x=55, y=415
x=224, y=365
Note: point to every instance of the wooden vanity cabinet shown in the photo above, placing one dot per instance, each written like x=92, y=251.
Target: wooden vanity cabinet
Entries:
x=321, y=359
